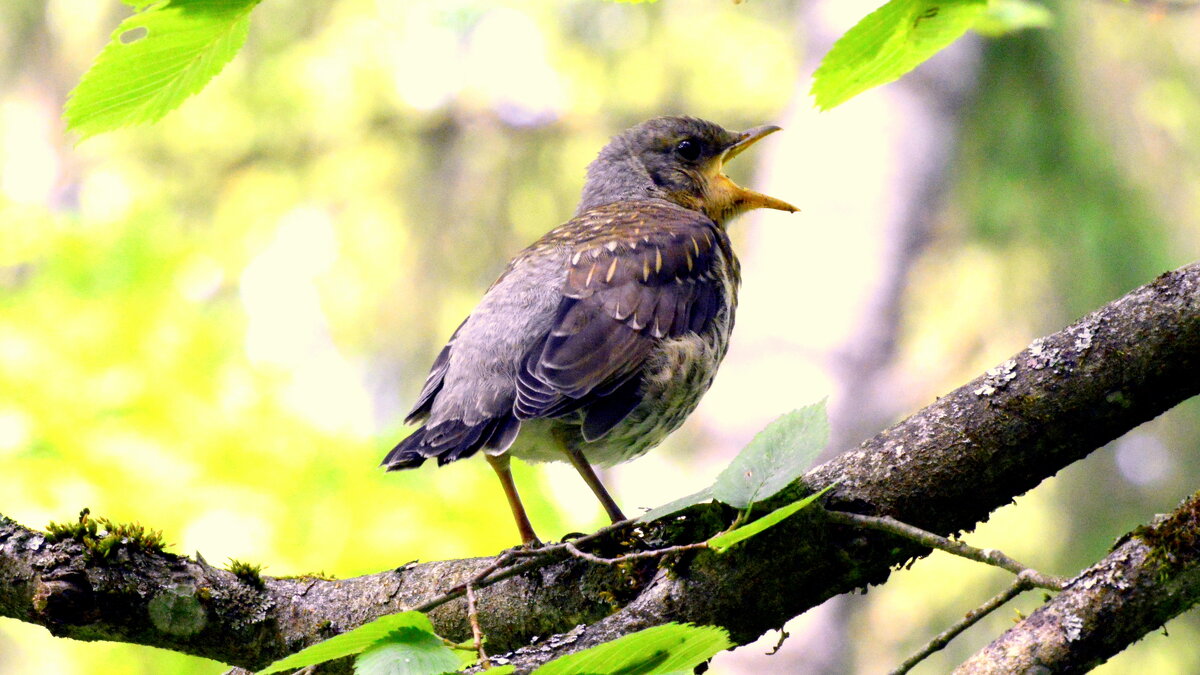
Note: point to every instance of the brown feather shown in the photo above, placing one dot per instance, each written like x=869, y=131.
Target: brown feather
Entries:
x=640, y=272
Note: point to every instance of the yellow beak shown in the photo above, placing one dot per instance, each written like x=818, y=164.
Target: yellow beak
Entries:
x=736, y=196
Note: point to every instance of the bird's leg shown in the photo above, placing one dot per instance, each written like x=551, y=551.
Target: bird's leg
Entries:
x=589, y=476
x=500, y=465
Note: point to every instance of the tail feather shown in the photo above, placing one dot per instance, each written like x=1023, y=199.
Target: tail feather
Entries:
x=451, y=441
x=407, y=453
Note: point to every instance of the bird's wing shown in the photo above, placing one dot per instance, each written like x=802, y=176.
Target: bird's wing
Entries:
x=642, y=276
x=453, y=438
x=433, y=381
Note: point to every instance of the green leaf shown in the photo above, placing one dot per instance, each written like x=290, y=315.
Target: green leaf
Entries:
x=723, y=542
x=156, y=59
x=705, y=495
x=1008, y=16
x=660, y=650
x=407, y=651
x=888, y=43
x=778, y=455
x=354, y=641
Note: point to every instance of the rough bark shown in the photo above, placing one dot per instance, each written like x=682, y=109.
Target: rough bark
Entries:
x=943, y=469
x=1148, y=579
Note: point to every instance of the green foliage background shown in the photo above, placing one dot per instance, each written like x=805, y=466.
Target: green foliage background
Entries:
x=214, y=325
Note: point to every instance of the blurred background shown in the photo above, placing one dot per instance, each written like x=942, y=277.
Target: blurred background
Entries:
x=215, y=324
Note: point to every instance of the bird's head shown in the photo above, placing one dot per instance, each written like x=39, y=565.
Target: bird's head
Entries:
x=679, y=159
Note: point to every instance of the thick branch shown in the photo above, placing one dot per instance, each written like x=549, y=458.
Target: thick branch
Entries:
x=1147, y=580
x=943, y=469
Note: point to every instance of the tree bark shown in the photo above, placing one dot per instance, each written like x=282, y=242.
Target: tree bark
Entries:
x=1150, y=577
x=943, y=469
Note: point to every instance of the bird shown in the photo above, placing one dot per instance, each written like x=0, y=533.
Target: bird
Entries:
x=599, y=339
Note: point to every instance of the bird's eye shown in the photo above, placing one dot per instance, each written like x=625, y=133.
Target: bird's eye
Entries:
x=688, y=149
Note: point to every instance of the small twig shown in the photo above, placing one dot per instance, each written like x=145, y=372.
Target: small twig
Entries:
x=987, y=556
x=1027, y=577
x=503, y=566
x=500, y=569
x=639, y=555
x=1022, y=583
x=783, y=635
x=476, y=631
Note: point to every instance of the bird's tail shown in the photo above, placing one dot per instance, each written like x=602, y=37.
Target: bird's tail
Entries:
x=452, y=440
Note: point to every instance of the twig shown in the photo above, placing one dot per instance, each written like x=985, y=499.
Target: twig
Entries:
x=1022, y=583
x=639, y=555
x=783, y=636
x=500, y=569
x=987, y=556
x=503, y=566
x=476, y=631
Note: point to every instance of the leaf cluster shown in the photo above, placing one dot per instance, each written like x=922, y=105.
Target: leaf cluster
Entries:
x=405, y=644
x=404, y=637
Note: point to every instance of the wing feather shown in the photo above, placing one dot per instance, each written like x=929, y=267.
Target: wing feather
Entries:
x=640, y=277
x=433, y=381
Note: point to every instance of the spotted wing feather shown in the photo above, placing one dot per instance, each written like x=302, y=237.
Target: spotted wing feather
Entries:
x=640, y=280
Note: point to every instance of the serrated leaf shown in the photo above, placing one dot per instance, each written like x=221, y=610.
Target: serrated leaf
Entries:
x=1007, y=16
x=407, y=651
x=137, y=80
x=778, y=455
x=353, y=642
x=723, y=542
x=660, y=650
x=705, y=495
x=888, y=43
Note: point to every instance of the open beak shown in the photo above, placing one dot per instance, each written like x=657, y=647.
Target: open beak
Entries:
x=741, y=198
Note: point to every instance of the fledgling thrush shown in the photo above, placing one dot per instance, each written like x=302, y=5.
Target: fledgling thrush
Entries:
x=599, y=339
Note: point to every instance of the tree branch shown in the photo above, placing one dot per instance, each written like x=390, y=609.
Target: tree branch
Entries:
x=944, y=469
x=1148, y=579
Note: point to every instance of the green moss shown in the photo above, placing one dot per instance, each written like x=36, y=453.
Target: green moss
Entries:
x=249, y=573
x=1174, y=541
x=102, y=538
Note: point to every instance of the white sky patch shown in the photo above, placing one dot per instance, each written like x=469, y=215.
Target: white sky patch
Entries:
x=15, y=430
x=503, y=63
x=106, y=196
x=30, y=165
x=509, y=67
x=425, y=60
x=1143, y=459
x=224, y=533
x=288, y=329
